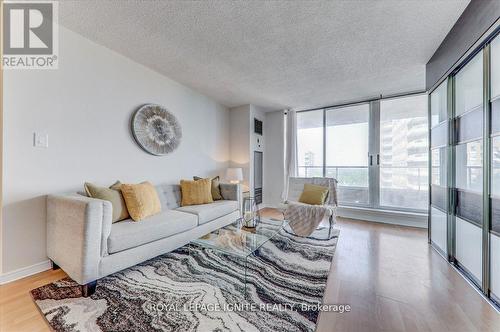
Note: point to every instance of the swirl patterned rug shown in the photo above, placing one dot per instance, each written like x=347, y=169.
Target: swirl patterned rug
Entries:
x=193, y=289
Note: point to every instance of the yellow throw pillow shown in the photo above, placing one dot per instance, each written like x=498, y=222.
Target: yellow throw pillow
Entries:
x=313, y=194
x=216, y=194
x=112, y=194
x=142, y=200
x=196, y=192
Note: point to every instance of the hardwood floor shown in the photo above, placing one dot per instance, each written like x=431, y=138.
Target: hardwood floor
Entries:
x=388, y=275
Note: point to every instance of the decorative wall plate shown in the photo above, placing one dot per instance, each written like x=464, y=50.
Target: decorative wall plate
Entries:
x=156, y=130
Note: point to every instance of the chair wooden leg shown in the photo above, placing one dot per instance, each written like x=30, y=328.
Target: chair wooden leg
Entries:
x=89, y=289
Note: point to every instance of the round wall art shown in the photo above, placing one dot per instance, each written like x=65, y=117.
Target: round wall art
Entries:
x=156, y=130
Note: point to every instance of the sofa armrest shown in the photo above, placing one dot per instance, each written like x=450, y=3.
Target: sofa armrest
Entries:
x=78, y=228
x=232, y=192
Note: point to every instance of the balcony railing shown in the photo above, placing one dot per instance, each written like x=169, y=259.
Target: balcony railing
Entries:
x=357, y=176
x=400, y=187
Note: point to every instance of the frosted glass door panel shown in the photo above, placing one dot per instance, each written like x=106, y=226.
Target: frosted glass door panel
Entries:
x=495, y=169
x=438, y=228
x=469, y=86
x=469, y=166
x=469, y=239
x=495, y=265
x=438, y=160
x=439, y=104
x=495, y=68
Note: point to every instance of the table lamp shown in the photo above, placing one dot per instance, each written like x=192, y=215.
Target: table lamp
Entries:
x=234, y=174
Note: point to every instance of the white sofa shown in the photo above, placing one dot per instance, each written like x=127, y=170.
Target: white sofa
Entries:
x=82, y=240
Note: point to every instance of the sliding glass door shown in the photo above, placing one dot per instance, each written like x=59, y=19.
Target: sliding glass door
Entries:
x=469, y=168
x=346, y=139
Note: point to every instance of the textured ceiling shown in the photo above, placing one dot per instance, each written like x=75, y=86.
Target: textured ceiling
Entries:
x=274, y=54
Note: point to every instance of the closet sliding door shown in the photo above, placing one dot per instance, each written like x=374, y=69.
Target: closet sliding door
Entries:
x=465, y=168
x=495, y=171
x=439, y=167
x=468, y=168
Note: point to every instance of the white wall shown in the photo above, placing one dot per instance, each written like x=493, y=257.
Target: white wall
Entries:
x=85, y=107
x=239, y=136
x=274, y=127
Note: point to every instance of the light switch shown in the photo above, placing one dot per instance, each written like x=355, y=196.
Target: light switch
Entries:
x=41, y=140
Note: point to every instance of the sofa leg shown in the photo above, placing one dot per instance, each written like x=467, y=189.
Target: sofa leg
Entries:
x=89, y=289
x=55, y=266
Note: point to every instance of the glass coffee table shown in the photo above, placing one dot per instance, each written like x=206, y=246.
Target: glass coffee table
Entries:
x=238, y=241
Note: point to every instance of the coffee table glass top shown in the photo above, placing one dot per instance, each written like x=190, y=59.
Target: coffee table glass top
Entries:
x=240, y=241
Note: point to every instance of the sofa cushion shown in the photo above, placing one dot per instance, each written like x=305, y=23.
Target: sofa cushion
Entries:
x=170, y=195
x=128, y=234
x=209, y=212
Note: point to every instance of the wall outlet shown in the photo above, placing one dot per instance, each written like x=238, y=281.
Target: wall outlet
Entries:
x=40, y=140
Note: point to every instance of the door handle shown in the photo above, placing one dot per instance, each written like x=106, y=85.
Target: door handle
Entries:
x=378, y=159
x=370, y=157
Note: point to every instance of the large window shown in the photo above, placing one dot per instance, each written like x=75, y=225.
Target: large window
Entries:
x=377, y=151
x=404, y=152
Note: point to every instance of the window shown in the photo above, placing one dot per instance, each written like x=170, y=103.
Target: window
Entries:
x=404, y=152
x=377, y=151
x=310, y=143
x=347, y=151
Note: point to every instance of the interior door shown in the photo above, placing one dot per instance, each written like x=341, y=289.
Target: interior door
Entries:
x=439, y=167
x=495, y=171
x=468, y=168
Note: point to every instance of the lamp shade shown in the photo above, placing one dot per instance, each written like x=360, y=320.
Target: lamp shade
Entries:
x=234, y=174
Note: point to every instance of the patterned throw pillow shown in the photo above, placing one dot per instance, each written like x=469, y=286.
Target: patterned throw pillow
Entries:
x=216, y=194
x=142, y=200
x=196, y=192
x=112, y=194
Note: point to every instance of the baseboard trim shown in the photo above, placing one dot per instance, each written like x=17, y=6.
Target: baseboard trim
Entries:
x=25, y=272
x=400, y=218
x=382, y=216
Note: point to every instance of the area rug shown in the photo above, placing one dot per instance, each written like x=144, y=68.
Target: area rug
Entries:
x=196, y=289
